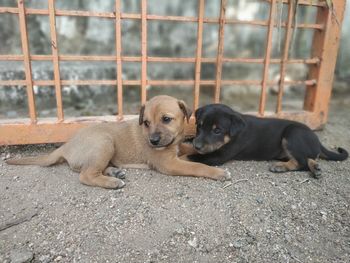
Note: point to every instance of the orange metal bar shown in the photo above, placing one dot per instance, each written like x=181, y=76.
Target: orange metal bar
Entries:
x=190, y=82
x=314, y=60
x=118, y=52
x=288, y=36
x=220, y=51
x=325, y=45
x=27, y=65
x=54, y=46
x=267, y=58
x=197, y=76
x=304, y=2
x=149, y=17
x=143, y=51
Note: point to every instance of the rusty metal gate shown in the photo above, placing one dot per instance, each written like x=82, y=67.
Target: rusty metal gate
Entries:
x=318, y=85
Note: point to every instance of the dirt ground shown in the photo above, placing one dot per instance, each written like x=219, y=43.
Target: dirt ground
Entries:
x=260, y=217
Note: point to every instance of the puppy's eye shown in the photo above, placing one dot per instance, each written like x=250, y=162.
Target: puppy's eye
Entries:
x=166, y=119
x=217, y=130
x=146, y=123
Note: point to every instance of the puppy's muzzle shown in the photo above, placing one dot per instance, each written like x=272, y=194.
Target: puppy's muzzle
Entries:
x=198, y=145
x=154, y=139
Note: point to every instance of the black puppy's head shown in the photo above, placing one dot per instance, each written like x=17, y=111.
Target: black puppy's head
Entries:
x=217, y=124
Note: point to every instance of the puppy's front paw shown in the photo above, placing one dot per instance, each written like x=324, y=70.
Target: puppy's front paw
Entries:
x=117, y=183
x=276, y=168
x=316, y=171
x=223, y=175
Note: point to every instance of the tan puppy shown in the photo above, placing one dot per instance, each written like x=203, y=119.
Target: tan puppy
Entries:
x=151, y=141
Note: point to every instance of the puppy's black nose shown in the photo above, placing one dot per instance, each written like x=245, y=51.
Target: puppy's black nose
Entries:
x=197, y=145
x=154, y=138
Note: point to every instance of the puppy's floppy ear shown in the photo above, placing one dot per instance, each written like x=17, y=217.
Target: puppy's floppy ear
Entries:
x=237, y=124
x=142, y=111
x=198, y=114
x=185, y=109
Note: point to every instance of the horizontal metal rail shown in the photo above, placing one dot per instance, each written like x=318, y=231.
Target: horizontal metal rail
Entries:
x=189, y=82
x=112, y=15
x=156, y=59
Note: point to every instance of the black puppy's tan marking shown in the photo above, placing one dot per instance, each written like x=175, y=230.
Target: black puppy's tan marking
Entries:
x=223, y=135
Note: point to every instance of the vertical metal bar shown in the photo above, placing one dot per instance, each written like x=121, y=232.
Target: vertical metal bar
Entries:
x=55, y=60
x=267, y=57
x=197, y=77
x=325, y=46
x=220, y=51
x=143, y=51
x=118, y=51
x=27, y=64
x=288, y=35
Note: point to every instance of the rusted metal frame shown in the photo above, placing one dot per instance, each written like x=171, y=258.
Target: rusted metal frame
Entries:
x=220, y=51
x=143, y=51
x=27, y=64
x=47, y=130
x=55, y=60
x=118, y=52
x=325, y=46
x=288, y=35
x=267, y=58
x=315, y=60
x=150, y=17
x=198, y=64
x=190, y=82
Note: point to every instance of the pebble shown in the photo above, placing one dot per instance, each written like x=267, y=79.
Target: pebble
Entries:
x=259, y=200
x=21, y=255
x=57, y=258
x=193, y=242
x=45, y=258
x=236, y=244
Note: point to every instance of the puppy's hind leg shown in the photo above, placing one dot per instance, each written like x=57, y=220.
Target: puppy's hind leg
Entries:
x=94, y=177
x=282, y=167
x=314, y=168
x=95, y=168
x=114, y=172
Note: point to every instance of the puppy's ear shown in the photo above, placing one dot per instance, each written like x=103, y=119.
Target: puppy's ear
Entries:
x=185, y=109
x=198, y=114
x=142, y=111
x=237, y=124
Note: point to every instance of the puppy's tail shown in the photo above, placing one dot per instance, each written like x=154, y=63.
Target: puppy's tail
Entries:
x=341, y=155
x=44, y=160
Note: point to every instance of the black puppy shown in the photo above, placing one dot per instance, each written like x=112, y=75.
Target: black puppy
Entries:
x=223, y=135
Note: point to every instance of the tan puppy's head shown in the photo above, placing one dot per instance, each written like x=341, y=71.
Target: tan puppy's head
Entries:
x=162, y=119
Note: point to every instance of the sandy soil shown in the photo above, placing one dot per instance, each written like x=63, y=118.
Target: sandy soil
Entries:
x=260, y=217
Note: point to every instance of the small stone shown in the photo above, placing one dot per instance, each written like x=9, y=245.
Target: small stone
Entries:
x=21, y=255
x=294, y=207
x=6, y=156
x=57, y=258
x=45, y=258
x=237, y=244
x=193, y=242
x=259, y=200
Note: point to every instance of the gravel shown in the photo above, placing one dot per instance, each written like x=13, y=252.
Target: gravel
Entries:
x=259, y=217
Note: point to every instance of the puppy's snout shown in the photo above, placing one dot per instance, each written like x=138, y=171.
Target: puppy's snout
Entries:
x=197, y=145
x=155, y=138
